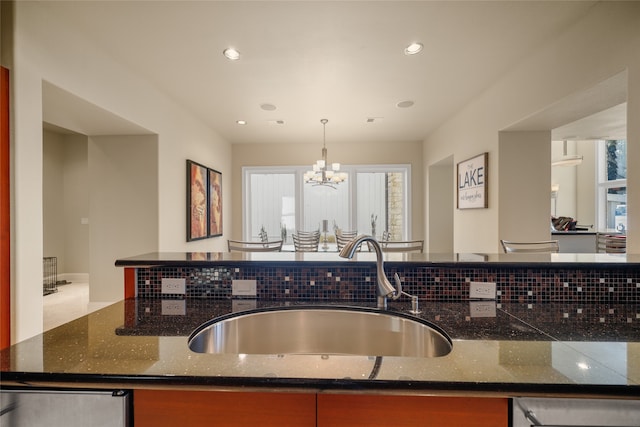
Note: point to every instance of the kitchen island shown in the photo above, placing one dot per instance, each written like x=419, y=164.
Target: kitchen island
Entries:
x=501, y=348
x=497, y=349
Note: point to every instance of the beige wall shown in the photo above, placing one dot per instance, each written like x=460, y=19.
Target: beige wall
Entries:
x=53, y=232
x=348, y=154
x=524, y=186
x=577, y=194
x=566, y=177
x=586, y=184
x=441, y=193
x=48, y=48
x=604, y=43
x=123, y=208
x=66, y=202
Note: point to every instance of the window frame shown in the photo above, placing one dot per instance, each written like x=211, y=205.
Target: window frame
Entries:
x=603, y=185
x=298, y=172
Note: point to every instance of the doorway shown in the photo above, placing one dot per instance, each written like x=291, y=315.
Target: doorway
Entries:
x=100, y=198
x=65, y=214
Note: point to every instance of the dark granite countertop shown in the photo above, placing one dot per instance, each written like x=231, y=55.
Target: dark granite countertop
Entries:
x=474, y=260
x=506, y=350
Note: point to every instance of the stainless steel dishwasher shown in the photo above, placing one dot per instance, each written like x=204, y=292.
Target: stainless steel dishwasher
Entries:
x=550, y=412
x=64, y=408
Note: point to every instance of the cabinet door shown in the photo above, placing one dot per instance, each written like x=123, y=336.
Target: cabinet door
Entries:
x=336, y=410
x=175, y=408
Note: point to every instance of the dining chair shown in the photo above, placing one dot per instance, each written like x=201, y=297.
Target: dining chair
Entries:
x=304, y=241
x=402, y=246
x=612, y=243
x=240, y=246
x=303, y=233
x=543, y=246
x=343, y=237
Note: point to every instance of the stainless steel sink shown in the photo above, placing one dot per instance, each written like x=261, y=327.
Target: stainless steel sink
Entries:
x=321, y=330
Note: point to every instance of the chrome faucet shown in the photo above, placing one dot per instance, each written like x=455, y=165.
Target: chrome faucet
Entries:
x=385, y=288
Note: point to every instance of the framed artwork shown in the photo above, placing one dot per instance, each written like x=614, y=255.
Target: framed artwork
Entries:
x=197, y=256
x=472, y=183
x=215, y=203
x=197, y=201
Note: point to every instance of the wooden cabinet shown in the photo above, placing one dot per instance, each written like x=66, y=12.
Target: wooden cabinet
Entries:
x=336, y=410
x=173, y=408
x=176, y=408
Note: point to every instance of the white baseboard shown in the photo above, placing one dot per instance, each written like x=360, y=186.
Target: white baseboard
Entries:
x=74, y=277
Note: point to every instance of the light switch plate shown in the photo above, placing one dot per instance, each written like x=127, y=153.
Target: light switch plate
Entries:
x=174, y=307
x=244, y=288
x=482, y=290
x=173, y=286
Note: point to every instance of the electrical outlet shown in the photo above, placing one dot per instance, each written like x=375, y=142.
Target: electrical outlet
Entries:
x=482, y=308
x=482, y=290
x=174, y=307
x=244, y=288
x=173, y=286
x=243, y=305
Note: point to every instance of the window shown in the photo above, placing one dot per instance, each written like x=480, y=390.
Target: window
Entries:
x=321, y=202
x=382, y=202
x=374, y=199
x=612, y=185
x=271, y=204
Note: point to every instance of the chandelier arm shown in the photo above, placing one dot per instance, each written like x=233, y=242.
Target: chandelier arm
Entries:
x=320, y=176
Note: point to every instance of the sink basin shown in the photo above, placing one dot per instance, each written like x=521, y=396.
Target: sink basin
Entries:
x=321, y=330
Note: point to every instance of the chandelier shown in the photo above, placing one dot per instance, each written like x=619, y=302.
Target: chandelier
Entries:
x=321, y=174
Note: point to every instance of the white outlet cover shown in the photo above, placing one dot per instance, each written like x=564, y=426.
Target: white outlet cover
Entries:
x=482, y=290
x=243, y=305
x=482, y=308
x=174, y=307
x=246, y=288
x=173, y=286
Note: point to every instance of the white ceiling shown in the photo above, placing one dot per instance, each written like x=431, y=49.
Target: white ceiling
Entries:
x=340, y=60
x=599, y=112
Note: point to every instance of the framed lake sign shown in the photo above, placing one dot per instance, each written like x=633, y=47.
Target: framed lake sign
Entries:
x=472, y=183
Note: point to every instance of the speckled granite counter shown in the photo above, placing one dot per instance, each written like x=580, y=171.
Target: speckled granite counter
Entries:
x=462, y=260
x=499, y=349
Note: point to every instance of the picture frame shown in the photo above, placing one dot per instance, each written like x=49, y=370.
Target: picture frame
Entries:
x=215, y=203
x=197, y=201
x=471, y=188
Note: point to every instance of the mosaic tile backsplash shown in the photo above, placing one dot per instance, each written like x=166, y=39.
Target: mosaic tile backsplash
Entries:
x=358, y=283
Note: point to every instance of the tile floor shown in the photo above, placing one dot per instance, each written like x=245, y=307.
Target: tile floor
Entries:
x=70, y=302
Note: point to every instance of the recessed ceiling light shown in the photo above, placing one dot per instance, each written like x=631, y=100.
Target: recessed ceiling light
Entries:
x=404, y=104
x=231, y=54
x=241, y=122
x=275, y=122
x=268, y=107
x=413, y=48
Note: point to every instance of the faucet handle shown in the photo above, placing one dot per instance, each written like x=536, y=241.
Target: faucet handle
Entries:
x=398, y=292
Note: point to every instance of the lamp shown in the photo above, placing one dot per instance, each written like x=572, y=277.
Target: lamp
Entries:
x=566, y=160
x=320, y=173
